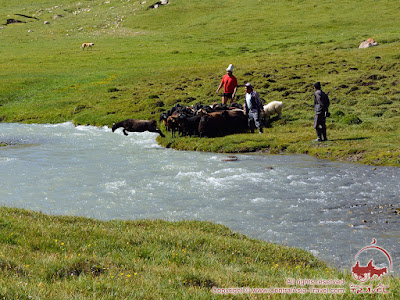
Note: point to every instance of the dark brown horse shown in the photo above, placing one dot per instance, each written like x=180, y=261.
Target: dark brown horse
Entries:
x=137, y=126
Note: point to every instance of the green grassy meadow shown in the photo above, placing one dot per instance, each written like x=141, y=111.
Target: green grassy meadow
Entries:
x=53, y=257
x=147, y=60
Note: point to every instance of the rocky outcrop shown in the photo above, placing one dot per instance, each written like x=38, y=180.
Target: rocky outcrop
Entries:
x=12, y=21
x=159, y=3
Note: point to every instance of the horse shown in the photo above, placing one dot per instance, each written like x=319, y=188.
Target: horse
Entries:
x=137, y=126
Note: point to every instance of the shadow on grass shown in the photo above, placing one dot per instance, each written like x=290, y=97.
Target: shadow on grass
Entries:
x=350, y=139
x=268, y=123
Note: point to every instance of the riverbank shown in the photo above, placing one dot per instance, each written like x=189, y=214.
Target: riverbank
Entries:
x=344, y=145
x=143, y=67
x=46, y=256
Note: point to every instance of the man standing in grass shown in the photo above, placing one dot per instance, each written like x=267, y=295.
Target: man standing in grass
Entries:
x=230, y=86
x=253, y=107
x=321, y=104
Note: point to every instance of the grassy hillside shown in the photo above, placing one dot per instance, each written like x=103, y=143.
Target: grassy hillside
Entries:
x=146, y=60
x=52, y=257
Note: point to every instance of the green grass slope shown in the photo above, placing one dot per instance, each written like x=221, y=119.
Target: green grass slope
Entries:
x=146, y=60
x=52, y=257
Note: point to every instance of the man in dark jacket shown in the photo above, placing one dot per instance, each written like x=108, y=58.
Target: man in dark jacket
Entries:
x=253, y=107
x=321, y=105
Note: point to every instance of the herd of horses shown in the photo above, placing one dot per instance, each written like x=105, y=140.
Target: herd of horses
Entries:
x=200, y=120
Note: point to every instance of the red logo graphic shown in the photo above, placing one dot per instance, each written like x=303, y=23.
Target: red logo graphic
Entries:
x=363, y=273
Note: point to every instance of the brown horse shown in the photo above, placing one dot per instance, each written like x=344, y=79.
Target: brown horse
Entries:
x=137, y=126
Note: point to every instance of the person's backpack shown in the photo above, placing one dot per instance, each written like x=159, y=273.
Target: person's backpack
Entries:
x=325, y=100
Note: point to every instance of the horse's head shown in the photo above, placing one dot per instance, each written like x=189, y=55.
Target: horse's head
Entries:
x=114, y=127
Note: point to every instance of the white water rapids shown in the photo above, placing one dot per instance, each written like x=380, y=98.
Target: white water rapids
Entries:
x=331, y=209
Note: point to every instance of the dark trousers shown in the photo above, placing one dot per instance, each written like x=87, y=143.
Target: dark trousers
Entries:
x=320, y=126
x=254, y=119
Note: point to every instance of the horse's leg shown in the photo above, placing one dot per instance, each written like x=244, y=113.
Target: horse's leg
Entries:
x=159, y=132
x=124, y=131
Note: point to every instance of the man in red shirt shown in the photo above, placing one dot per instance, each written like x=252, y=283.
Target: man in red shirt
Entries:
x=230, y=86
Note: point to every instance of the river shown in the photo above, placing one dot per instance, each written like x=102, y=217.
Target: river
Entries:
x=331, y=209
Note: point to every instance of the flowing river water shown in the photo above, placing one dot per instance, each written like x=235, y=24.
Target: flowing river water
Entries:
x=331, y=209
